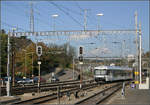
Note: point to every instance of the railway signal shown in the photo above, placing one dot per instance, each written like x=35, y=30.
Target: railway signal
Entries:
x=39, y=50
x=80, y=62
x=81, y=55
x=39, y=53
x=81, y=50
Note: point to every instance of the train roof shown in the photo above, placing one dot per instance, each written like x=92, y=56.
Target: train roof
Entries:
x=113, y=67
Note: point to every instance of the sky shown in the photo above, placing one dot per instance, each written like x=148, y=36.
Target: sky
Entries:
x=117, y=15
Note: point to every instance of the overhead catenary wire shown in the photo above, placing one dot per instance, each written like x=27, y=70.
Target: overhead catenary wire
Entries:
x=76, y=21
x=72, y=11
x=91, y=18
x=79, y=6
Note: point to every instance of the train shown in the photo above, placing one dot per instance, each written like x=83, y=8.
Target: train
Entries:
x=112, y=73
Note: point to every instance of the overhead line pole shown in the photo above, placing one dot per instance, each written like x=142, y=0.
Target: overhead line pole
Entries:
x=8, y=64
x=85, y=19
x=31, y=18
x=140, y=49
x=73, y=68
x=13, y=59
x=137, y=50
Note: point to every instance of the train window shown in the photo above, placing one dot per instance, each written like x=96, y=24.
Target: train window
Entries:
x=100, y=71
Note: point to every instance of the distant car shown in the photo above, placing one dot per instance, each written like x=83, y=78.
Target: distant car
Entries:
x=17, y=79
x=28, y=80
x=25, y=81
x=35, y=79
x=21, y=81
x=54, y=79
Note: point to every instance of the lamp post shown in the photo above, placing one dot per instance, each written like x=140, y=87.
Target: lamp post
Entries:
x=99, y=14
x=54, y=16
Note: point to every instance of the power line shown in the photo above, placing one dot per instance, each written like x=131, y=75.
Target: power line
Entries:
x=66, y=13
x=71, y=10
x=79, y=6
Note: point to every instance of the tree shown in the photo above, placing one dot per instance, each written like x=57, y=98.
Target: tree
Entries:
x=3, y=43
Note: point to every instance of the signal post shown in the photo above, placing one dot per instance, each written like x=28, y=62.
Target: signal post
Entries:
x=39, y=53
x=80, y=62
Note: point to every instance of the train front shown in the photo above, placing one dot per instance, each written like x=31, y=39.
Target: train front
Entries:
x=99, y=74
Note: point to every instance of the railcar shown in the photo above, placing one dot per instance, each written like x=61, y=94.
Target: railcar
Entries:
x=112, y=73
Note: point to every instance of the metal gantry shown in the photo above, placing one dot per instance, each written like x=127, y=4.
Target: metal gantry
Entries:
x=76, y=32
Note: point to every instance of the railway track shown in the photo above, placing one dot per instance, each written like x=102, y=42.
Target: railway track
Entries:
x=44, y=87
x=99, y=97
x=42, y=99
x=42, y=84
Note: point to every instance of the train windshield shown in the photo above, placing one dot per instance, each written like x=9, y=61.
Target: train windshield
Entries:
x=100, y=71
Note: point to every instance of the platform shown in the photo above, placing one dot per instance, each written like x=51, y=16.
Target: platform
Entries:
x=132, y=96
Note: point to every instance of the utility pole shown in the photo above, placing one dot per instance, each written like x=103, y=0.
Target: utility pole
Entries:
x=25, y=64
x=140, y=49
x=137, y=71
x=85, y=19
x=31, y=17
x=73, y=69
x=32, y=64
x=123, y=52
x=8, y=64
x=123, y=49
x=13, y=59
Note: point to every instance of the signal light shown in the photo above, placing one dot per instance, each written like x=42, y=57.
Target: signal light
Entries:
x=39, y=50
x=81, y=50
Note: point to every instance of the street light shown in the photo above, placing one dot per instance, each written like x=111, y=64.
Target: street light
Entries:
x=54, y=16
x=99, y=14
